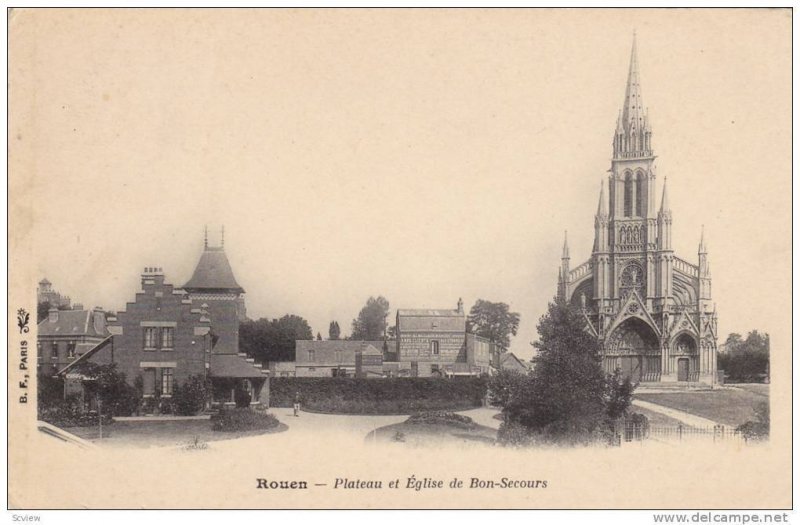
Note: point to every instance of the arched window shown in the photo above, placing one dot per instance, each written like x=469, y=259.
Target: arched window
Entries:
x=640, y=196
x=628, y=195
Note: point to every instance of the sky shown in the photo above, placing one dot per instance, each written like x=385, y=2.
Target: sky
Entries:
x=419, y=155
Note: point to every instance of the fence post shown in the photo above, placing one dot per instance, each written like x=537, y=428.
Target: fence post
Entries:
x=680, y=431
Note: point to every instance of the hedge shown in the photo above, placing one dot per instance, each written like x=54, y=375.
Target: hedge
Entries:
x=400, y=395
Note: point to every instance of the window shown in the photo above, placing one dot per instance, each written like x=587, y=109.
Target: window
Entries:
x=167, y=379
x=167, y=335
x=54, y=351
x=338, y=355
x=628, y=195
x=640, y=194
x=150, y=338
x=71, y=350
x=149, y=383
x=435, y=347
x=310, y=355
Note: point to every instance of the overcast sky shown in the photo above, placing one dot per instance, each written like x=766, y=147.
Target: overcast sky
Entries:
x=422, y=156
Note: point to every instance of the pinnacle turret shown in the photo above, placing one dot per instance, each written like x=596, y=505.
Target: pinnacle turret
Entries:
x=664, y=199
x=565, y=249
x=702, y=247
x=602, y=204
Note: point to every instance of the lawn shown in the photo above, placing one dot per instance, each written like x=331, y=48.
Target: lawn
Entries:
x=729, y=406
x=144, y=434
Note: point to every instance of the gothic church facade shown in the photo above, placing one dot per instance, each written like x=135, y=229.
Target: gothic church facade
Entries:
x=650, y=309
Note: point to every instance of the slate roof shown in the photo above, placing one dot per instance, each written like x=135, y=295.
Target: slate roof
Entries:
x=423, y=312
x=73, y=322
x=232, y=365
x=213, y=272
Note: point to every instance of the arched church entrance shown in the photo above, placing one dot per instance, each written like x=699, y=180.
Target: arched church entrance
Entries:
x=685, y=350
x=633, y=349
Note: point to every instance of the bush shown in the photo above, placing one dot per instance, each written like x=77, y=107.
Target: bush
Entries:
x=67, y=414
x=191, y=397
x=400, y=395
x=242, y=419
x=442, y=418
x=757, y=430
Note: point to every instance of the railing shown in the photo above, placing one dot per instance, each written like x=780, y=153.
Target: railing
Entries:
x=631, y=432
x=580, y=271
x=651, y=376
x=686, y=267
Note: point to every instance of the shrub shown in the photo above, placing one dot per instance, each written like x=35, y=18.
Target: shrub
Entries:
x=443, y=418
x=401, y=395
x=67, y=415
x=759, y=429
x=242, y=419
x=191, y=397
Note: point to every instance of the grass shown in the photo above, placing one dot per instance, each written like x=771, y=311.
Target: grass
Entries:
x=729, y=406
x=145, y=434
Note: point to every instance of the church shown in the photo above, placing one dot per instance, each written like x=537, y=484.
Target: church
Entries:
x=650, y=309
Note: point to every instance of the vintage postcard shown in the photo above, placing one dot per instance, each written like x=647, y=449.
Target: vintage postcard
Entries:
x=400, y=259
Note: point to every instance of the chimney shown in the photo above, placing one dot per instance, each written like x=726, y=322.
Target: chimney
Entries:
x=152, y=275
x=52, y=315
x=99, y=318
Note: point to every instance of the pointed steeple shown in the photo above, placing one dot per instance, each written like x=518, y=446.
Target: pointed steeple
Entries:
x=565, y=250
x=632, y=112
x=633, y=135
x=205, y=237
x=602, y=204
x=664, y=199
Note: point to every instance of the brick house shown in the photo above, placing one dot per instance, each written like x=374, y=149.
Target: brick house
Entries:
x=436, y=342
x=169, y=334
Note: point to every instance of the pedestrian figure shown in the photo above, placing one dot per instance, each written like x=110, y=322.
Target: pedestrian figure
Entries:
x=297, y=404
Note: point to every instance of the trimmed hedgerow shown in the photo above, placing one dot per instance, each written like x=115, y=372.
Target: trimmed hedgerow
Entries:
x=242, y=419
x=401, y=395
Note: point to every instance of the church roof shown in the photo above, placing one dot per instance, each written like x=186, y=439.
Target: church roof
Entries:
x=213, y=272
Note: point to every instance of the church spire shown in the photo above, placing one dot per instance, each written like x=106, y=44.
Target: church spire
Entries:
x=632, y=112
x=565, y=249
x=633, y=133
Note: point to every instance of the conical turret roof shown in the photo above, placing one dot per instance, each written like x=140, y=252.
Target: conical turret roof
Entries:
x=213, y=273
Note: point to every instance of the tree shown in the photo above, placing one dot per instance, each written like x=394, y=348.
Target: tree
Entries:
x=109, y=386
x=334, y=332
x=319, y=336
x=43, y=309
x=371, y=321
x=493, y=321
x=745, y=360
x=273, y=340
x=567, y=397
